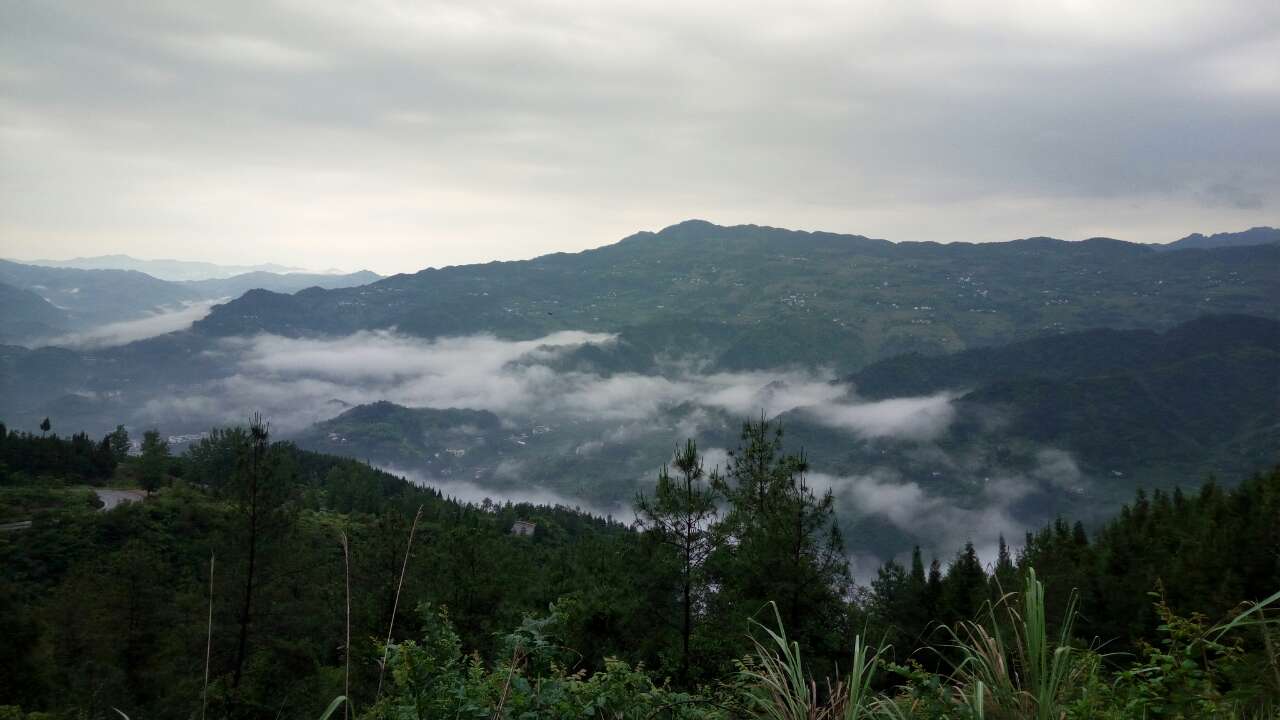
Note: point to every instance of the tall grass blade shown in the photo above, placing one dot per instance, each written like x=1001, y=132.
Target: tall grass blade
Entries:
x=346, y=647
x=340, y=700
x=208, y=645
x=395, y=606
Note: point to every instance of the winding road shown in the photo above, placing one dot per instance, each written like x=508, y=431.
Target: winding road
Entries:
x=112, y=498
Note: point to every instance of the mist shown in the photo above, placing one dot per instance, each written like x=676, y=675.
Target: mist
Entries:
x=469, y=492
x=625, y=424
x=161, y=321
x=295, y=381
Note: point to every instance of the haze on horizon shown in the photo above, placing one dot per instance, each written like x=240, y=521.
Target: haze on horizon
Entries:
x=395, y=136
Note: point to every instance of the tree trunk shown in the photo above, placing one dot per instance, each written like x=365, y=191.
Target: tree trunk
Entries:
x=247, y=604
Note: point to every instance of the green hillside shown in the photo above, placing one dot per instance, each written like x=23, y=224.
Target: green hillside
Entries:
x=759, y=297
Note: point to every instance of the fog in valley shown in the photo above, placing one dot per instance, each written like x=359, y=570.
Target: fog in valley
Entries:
x=628, y=422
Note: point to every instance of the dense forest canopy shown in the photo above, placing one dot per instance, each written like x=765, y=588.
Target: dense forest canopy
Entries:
x=249, y=544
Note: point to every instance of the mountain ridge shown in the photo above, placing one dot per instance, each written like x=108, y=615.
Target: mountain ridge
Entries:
x=170, y=269
x=764, y=283
x=1259, y=235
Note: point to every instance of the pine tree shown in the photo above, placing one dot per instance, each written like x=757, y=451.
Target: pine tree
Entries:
x=933, y=590
x=118, y=441
x=153, y=464
x=779, y=541
x=681, y=515
x=262, y=483
x=964, y=587
x=1004, y=579
x=891, y=602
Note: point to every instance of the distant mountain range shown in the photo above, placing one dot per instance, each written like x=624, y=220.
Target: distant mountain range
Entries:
x=760, y=297
x=1252, y=236
x=78, y=300
x=166, y=269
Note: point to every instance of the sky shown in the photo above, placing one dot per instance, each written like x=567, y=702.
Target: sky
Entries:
x=395, y=136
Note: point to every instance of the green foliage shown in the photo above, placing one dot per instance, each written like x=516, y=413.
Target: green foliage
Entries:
x=434, y=679
x=49, y=460
x=153, y=463
x=109, y=610
x=118, y=440
x=780, y=544
x=680, y=517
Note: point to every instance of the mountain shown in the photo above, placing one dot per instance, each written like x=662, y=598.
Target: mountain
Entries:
x=982, y=382
x=165, y=269
x=1252, y=236
x=433, y=440
x=27, y=315
x=89, y=299
x=759, y=297
x=1201, y=396
x=724, y=299
x=96, y=297
x=1090, y=353
x=291, y=282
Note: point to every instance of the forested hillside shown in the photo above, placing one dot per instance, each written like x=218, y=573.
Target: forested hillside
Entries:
x=760, y=297
x=1198, y=398
x=249, y=547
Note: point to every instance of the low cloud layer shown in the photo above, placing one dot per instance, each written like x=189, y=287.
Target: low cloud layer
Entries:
x=295, y=381
x=944, y=521
x=469, y=492
x=163, y=320
x=918, y=418
x=626, y=420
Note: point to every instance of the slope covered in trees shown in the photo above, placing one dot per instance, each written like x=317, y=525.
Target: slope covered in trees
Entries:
x=760, y=297
x=108, y=610
x=1198, y=398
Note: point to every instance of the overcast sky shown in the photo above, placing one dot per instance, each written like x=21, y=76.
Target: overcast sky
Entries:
x=394, y=136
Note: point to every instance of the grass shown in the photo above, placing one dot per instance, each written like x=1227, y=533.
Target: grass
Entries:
x=1004, y=665
x=1028, y=676
x=787, y=692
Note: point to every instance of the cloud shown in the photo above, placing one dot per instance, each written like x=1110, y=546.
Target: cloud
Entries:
x=294, y=381
x=985, y=508
x=940, y=524
x=1219, y=194
x=469, y=492
x=632, y=421
x=1058, y=468
x=918, y=418
x=444, y=132
x=247, y=51
x=160, y=322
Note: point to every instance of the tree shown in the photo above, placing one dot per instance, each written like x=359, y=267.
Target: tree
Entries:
x=780, y=540
x=262, y=483
x=1004, y=578
x=153, y=464
x=680, y=515
x=891, y=602
x=118, y=441
x=933, y=590
x=215, y=460
x=45, y=426
x=964, y=588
